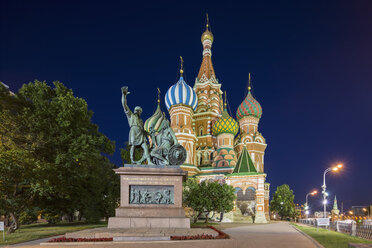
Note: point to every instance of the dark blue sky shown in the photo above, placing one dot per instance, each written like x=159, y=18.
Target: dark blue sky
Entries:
x=311, y=64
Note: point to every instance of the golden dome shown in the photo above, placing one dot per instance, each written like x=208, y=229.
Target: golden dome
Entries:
x=207, y=35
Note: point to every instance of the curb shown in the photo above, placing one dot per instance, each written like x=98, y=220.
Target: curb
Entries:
x=307, y=236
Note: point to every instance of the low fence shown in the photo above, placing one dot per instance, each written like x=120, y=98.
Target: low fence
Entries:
x=353, y=229
x=364, y=231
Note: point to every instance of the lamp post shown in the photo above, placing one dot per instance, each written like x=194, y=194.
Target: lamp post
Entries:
x=306, y=204
x=324, y=186
x=365, y=210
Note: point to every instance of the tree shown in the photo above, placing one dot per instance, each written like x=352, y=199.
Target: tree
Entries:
x=54, y=156
x=194, y=197
x=207, y=197
x=222, y=197
x=283, y=202
x=17, y=160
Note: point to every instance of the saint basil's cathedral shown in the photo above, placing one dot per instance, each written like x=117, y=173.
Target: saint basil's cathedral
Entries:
x=218, y=146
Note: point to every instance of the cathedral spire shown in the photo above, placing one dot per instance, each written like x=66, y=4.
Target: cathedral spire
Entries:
x=158, y=96
x=181, y=70
x=225, y=102
x=249, y=82
x=206, y=71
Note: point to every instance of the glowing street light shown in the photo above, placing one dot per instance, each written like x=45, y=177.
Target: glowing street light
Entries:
x=366, y=210
x=306, y=204
x=325, y=194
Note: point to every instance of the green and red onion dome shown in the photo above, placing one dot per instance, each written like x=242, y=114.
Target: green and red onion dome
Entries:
x=249, y=107
x=225, y=124
x=155, y=120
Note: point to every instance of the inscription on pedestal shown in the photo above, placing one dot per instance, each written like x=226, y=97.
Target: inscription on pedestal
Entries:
x=151, y=194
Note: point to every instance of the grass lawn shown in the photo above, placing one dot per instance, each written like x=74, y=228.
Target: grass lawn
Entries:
x=330, y=239
x=37, y=231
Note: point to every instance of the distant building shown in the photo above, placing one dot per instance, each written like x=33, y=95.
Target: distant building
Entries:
x=320, y=214
x=360, y=210
x=335, y=210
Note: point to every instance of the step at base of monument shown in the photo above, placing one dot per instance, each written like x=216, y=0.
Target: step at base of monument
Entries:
x=138, y=233
x=141, y=238
x=148, y=222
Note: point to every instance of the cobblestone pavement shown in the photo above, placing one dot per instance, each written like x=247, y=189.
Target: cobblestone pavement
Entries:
x=277, y=234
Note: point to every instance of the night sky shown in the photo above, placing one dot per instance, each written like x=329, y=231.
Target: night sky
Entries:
x=311, y=66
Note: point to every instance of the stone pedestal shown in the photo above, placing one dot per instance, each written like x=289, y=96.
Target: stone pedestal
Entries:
x=150, y=197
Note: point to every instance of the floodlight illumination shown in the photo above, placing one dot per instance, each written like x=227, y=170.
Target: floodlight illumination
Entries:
x=325, y=202
x=339, y=166
x=335, y=168
x=314, y=192
x=307, y=212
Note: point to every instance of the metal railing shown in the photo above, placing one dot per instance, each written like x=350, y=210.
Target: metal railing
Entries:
x=353, y=229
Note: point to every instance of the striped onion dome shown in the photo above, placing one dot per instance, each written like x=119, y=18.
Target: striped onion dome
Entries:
x=155, y=120
x=249, y=107
x=181, y=93
x=225, y=124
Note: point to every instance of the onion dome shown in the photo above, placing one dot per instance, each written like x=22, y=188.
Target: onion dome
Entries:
x=225, y=124
x=181, y=93
x=250, y=106
x=154, y=122
x=207, y=35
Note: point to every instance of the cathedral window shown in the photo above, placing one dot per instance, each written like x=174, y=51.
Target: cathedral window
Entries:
x=250, y=194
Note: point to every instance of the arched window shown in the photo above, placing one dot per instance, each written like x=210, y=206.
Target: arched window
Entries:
x=201, y=131
x=250, y=194
x=211, y=157
x=239, y=194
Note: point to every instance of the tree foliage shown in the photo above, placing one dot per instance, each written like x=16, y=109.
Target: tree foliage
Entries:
x=207, y=197
x=283, y=202
x=52, y=155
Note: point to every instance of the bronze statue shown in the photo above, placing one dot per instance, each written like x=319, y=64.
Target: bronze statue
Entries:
x=163, y=141
x=165, y=148
x=137, y=135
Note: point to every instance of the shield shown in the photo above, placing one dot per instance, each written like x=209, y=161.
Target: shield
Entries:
x=177, y=155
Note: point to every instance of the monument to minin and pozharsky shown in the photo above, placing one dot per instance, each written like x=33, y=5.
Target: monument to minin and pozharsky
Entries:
x=151, y=194
x=218, y=146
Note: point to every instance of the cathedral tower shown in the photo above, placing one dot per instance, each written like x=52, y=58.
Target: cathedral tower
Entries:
x=248, y=115
x=181, y=101
x=209, y=109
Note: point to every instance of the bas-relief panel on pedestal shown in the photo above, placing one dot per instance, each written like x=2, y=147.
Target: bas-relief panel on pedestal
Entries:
x=151, y=194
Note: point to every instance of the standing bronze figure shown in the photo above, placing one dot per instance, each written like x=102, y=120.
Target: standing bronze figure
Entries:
x=137, y=135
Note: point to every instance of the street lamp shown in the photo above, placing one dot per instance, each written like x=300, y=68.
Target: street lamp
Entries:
x=335, y=168
x=366, y=210
x=306, y=204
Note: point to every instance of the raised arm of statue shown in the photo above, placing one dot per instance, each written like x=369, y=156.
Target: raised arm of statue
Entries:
x=124, y=91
